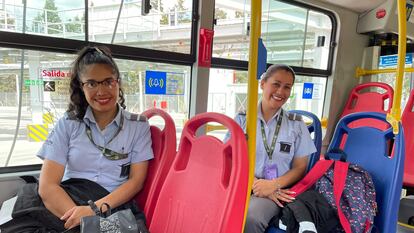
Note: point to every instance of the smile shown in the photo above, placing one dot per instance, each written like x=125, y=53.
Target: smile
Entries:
x=103, y=101
x=277, y=98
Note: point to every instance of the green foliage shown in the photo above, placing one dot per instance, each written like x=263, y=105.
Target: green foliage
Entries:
x=130, y=83
x=239, y=14
x=183, y=15
x=240, y=76
x=10, y=21
x=50, y=17
x=164, y=19
x=160, y=10
x=8, y=84
x=75, y=25
x=180, y=5
x=154, y=5
x=220, y=14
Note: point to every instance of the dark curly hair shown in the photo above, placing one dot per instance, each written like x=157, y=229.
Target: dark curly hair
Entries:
x=87, y=56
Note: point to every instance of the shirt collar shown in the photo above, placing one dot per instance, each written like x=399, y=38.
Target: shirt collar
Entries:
x=260, y=114
x=89, y=117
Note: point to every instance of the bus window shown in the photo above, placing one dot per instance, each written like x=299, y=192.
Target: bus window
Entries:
x=45, y=96
x=228, y=93
x=389, y=78
x=293, y=35
x=170, y=19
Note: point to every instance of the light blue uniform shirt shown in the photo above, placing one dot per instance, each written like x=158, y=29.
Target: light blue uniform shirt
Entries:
x=69, y=146
x=292, y=133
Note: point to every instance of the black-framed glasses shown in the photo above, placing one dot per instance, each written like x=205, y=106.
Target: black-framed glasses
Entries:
x=92, y=84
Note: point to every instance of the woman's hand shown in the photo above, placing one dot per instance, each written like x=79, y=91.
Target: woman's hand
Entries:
x=264, y=188
x=282, y=195
x=72, y=216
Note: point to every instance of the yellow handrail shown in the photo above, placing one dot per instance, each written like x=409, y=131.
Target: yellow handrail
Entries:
x=394, y=116
x=252, y=92
x=210, y=127
x=361, y=72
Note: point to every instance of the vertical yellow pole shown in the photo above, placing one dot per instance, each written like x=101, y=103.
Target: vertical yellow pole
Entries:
x=395, y=116
x=252, y=89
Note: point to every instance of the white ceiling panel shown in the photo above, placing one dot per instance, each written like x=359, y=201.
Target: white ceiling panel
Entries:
x=356, y=5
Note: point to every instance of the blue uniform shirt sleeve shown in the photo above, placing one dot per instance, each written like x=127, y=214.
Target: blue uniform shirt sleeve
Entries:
x=241, y=121
x=142, y=150
x=56, y=146
x=304, y=145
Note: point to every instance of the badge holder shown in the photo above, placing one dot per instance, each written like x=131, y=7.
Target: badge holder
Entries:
x=270, y=171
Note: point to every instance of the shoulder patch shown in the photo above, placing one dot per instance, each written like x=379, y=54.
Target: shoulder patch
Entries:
x=294, y=117
x=136, y=117
x=243, y=113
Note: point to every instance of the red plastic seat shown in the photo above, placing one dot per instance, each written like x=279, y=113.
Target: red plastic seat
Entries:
x=164, y=144
x=206, y=188
x=360, y=100
x=407, y=120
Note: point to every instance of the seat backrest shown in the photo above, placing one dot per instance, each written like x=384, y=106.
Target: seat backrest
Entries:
x=206, y=188
x=316, y=129
x=407, y=120
x=361, y=100
x=371, y=148
x=164, y=144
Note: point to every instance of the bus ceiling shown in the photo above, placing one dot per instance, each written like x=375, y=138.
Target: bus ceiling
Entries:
x=378, y=16
x=384, y=19
x=356, y=5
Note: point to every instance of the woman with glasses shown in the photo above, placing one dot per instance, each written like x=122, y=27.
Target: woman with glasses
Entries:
x=97, y=140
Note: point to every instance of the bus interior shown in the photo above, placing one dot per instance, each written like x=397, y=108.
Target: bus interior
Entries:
x=345, y=54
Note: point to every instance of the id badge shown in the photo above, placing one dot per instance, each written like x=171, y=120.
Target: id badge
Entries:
x=125, y=168
x=270, y=171
x=285, y=147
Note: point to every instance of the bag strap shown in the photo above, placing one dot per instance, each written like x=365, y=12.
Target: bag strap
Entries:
x=312, y=176
x=340, y=173
x=108, y=209
x=99, y=211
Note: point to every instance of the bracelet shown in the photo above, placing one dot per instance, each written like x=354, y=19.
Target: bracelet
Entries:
x=94, y=207
x=277, y=188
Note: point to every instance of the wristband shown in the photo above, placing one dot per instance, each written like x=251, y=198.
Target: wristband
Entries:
x=94, y=207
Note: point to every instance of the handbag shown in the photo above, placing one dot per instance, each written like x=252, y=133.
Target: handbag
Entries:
x=122, y=221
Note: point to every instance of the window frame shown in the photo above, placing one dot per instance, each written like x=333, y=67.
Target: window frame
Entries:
x=25, y=41
x=21, y=40
x=225, y=63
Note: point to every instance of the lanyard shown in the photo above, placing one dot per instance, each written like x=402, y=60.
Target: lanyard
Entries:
x=109, y=154
x=270, y=150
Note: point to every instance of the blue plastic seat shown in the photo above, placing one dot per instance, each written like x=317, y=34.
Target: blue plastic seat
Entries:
x=316, y=129
x=381, y=153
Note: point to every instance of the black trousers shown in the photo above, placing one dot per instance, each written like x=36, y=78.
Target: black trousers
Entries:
x=31, y=216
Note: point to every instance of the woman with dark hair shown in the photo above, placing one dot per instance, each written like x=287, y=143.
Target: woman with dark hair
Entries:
x=283, y=144
x=98, y=141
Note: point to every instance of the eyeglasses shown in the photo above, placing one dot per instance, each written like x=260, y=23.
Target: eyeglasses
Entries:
x=92, y=84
